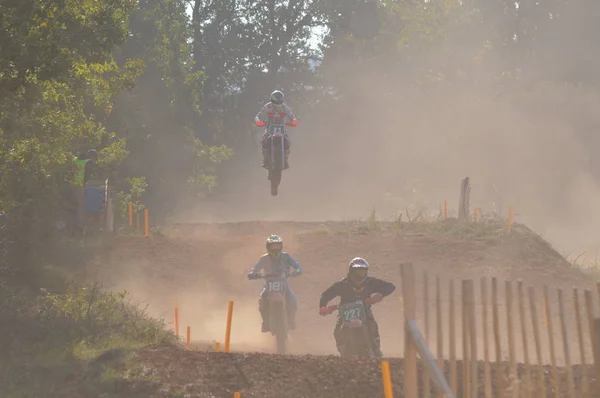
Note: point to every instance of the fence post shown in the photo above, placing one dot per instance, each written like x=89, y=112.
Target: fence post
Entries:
x=426, y=375
x=596, y=345
x=452, y=338
x=464, y=213
x=497, y=341
x=411, y=388
x=512, y=355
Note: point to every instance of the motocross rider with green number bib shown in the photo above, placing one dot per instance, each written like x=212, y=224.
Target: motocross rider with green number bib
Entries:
x=276, y=262
x=357, y=286
x=275, y=110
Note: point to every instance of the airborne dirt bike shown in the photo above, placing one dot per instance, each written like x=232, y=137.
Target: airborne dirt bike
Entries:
x=275, y=291
x=356, y=338
x=276, y=134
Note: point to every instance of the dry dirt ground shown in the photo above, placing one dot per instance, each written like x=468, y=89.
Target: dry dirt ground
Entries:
x=203, y=266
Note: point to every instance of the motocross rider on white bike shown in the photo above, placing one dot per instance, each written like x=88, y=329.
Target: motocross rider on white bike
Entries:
x=275, y=111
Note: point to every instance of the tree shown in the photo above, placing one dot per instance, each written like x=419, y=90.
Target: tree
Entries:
x=57, y=83
x=160, y=117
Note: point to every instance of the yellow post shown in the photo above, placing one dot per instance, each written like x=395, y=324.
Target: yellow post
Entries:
x=228, y=330
x=476, y=214
x=510, y=217
x=188, y=338
x=445, y=213
x=387, y=380
x=177, y=322
x=146, y=226
x=130, y=209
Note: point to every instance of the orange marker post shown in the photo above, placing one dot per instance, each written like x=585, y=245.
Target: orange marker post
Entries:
x=188, y=341
x=476, y=214
x=510, y=217
x=228, y=330
x=196, y=348
x=130, y=210
x=146, y=226
x=176, y=321
x=237, y=395
x=387, y=380
x=217, y=346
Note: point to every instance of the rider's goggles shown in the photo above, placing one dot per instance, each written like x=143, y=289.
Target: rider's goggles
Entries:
x=360, y=272
x=275, y=248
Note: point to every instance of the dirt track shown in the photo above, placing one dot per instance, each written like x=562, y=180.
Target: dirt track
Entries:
x=273, y=376
x=202, y=266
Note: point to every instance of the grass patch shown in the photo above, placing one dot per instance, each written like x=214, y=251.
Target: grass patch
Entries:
x=78, y=343
x=489, y=226
x=590, y=266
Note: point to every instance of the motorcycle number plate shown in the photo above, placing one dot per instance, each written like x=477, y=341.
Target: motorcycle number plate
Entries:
x=352, y=312
x=276, y=129
x=275, y=286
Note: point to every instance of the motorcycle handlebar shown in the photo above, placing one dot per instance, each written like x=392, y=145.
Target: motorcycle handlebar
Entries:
x=263, y=124
x=261, y=276
x=334, y=307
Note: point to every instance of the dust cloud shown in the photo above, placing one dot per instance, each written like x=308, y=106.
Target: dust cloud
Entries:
x=392, y=143
x=199, y=270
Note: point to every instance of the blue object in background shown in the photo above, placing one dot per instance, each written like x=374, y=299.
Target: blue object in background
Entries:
x=94, y=200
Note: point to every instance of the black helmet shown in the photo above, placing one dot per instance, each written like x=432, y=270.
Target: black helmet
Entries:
x=277, y=97
x=358, y=269
x=92, y=154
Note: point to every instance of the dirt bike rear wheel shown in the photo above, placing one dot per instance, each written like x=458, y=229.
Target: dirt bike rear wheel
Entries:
x=281, y=342
x=279, y=328
x=275, y=177
x=356, y=343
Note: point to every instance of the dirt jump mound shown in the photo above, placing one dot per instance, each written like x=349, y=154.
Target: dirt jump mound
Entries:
x=200, y=267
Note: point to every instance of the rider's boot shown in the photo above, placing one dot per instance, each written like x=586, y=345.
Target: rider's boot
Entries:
x=265, y=327
x=375, y=340
x=377, y=351
x=265, y=317
x=265, y=161
x=337, y=335
x=287, y=164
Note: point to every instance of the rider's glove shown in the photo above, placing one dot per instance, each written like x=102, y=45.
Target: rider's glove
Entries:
x=324, y=311
x=251, y=276
x=259, y=123
x=295, y=274
x=376, y=298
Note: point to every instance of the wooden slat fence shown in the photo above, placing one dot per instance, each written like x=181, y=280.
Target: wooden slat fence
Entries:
x=513, y=340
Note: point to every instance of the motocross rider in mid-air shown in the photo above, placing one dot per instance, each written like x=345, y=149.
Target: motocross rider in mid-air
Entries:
x=276, y=262
x=277, y=111
x=357, y=286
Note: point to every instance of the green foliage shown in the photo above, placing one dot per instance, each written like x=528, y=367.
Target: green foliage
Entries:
x=95, y=315
x=159, y=118
x=56, y=335
x=165, y=97
x=372, y=223
x=201, y=180
x=137, y=188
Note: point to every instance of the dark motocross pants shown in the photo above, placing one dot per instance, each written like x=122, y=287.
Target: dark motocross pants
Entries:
x=265, y=143
x=373, y=329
